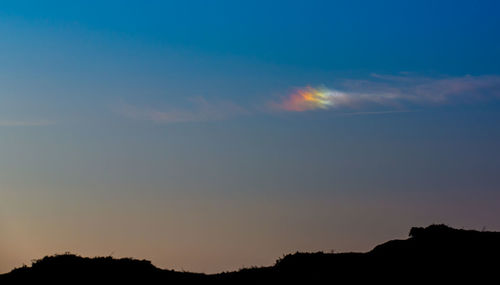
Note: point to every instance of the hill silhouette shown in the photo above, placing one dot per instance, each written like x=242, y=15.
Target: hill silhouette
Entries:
x=433, y=254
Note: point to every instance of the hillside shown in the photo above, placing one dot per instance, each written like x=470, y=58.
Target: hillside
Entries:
x=431, y=254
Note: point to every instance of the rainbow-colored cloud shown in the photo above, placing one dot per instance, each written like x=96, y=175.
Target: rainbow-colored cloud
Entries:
x=309, y=98
x=380, y=94
x=389, y=91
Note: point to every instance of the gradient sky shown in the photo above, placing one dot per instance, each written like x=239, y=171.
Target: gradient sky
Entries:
x=212, y=135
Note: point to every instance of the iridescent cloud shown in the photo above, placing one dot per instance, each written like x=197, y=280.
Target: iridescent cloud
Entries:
x=395, y=94
x=390, y=91
x=313, y=98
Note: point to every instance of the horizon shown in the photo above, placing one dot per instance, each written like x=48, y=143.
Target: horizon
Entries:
x=429, y=235
x=213, y=136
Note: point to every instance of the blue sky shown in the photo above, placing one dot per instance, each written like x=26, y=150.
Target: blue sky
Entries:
x=208, y=136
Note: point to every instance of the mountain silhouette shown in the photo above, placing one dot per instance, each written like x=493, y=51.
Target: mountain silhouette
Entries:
x=435, y=254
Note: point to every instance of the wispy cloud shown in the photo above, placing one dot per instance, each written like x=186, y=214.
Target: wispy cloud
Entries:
x=379, y=94
x=393, y=91
x=200, y=110
x=19, y=123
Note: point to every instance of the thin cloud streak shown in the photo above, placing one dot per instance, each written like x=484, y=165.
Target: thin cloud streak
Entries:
x=393, y=91
x=17, y=123
x=200, y=111
x=378, y=112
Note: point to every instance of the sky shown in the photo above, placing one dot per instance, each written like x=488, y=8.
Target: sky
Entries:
x=212, y=135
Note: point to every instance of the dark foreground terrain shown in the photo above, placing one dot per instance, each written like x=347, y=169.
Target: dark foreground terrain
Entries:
x=430, y=255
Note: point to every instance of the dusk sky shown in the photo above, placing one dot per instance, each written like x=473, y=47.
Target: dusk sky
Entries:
x=213, y=135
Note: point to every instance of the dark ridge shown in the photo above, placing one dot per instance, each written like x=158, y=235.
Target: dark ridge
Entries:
x=433, y=254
